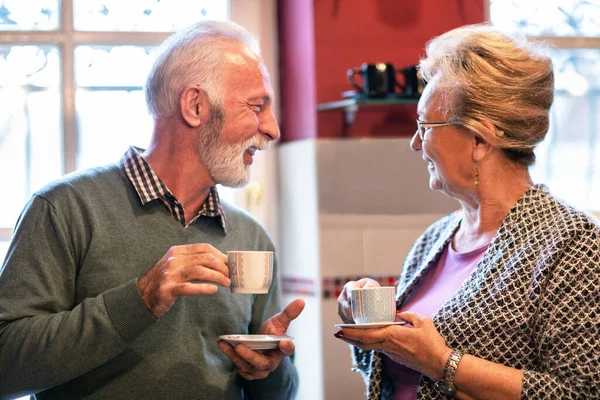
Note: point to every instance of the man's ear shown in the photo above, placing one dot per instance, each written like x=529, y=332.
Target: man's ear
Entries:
x=194, y=105
x=482, y=147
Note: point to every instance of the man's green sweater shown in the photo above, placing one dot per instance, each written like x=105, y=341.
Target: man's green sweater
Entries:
x=73, y=325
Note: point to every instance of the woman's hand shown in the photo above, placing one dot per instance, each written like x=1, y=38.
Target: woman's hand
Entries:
x=419, y=347
x=344, y=307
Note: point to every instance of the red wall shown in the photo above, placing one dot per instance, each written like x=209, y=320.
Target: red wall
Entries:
x=297, y=69
x=315, y=55
x=350, y=32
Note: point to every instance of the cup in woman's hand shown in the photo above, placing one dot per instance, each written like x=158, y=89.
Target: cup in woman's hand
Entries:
x=251, y=272
x=373, y=304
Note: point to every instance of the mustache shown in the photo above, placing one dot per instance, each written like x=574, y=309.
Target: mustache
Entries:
x=257, y=142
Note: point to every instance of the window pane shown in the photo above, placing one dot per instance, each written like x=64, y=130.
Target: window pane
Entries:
x=569, y=158
x=30, y=15
x=145, y=15
x=30, y=138
x=110, y=103
x=122, y=66
x=547, y=17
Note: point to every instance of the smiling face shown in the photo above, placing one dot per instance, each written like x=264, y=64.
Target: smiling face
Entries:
x=227, y=145
x=446, y=149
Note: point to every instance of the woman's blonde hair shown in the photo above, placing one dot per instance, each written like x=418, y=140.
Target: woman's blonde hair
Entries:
x=492, y=76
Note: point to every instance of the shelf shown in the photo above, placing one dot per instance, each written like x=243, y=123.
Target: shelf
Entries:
x=351, y=106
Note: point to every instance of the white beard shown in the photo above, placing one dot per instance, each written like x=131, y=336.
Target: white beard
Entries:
x=225, y=162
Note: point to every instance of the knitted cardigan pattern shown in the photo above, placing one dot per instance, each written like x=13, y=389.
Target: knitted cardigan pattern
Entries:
x=532, y=303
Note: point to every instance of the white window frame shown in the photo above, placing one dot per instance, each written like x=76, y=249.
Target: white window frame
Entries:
x=66, y=39
x=259, y=16
x=561, y=43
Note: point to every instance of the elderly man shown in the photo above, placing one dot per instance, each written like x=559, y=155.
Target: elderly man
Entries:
x=115, y=284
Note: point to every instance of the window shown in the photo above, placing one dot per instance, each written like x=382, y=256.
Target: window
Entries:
x=71, y=76
x=569, y=158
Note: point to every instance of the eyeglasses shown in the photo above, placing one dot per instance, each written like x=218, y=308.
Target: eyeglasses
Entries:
x=423, y=126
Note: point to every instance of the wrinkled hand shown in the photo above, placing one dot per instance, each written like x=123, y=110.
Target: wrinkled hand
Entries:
x=421, y=347
x=344, y=307
x=253, y=364
x=178, y=273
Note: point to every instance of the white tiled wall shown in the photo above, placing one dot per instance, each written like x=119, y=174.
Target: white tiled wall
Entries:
x=347, y=208
x=358, y=245
x=368, y=244
x=375, y=177
x=298, y=256
x=341, y=249
x=298, y=212
x=307, y=332
x=340, y=382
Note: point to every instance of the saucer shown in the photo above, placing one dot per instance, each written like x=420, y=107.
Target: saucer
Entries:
x=370, y=325
x=255, y=342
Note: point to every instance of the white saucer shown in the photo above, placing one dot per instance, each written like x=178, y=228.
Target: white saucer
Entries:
x=370, y=325
x=255, y=342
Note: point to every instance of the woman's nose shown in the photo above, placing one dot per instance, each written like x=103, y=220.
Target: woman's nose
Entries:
x=415, y=142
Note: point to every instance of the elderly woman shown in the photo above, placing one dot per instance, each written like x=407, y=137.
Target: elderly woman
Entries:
x=501, y=297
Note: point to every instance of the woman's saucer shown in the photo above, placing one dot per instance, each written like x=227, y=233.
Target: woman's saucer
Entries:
x=370, y=325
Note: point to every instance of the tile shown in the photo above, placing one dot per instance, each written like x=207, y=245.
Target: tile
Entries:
x=340, y=382
x=307, y=333
x=385, y=249
x=332, y=286
x=300, y=286
x=375, y=176
x=341, y=251
x=298, y=250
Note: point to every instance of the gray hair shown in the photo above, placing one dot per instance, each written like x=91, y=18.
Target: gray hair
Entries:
x=507, y=80
x=194, y=55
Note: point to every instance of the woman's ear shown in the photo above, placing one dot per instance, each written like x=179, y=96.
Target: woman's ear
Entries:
x=481, y=146
x=194, y=105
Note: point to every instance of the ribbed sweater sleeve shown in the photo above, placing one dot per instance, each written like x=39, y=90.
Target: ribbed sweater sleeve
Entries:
x=41, y=328
x=73, y=325
x=281, y=384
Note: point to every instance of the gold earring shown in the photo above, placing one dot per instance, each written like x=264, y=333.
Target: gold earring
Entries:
x=476, y=183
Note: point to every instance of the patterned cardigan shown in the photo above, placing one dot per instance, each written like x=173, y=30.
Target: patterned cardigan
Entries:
x=532, y=303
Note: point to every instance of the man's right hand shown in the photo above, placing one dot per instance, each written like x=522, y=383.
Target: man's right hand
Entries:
x=178, y=273
x=344, y=306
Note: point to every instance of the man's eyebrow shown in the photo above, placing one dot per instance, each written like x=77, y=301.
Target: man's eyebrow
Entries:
x=260, y=99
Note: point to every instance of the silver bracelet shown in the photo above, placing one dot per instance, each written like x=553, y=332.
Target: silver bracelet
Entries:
x=446, y=384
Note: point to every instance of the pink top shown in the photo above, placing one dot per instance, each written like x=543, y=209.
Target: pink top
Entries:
x=430, y=294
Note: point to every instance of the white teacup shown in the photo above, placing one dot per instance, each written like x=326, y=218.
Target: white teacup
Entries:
x=251, y=272
x=373, y=304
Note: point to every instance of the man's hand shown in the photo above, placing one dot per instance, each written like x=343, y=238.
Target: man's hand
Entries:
x=179, y=272
x=256, y=364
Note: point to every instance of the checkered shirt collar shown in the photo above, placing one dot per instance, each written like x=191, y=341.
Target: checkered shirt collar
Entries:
x=150, y=187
